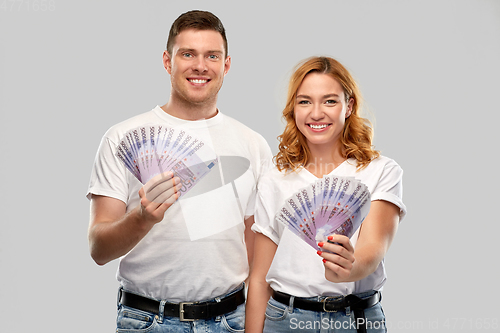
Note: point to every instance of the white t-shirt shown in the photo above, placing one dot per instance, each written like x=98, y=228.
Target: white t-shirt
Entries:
x=198, y=251
x=296, y=268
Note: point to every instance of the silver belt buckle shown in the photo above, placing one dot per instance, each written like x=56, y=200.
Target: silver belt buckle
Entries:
x=324, y=305
x=181, y=311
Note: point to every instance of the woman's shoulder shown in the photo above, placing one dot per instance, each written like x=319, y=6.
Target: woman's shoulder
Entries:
x=384, y=161
x=380, y=167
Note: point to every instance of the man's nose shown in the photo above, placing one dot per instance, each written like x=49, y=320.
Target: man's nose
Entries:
x=200, y=64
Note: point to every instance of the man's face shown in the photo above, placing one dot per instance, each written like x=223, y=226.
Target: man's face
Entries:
x=197, y=66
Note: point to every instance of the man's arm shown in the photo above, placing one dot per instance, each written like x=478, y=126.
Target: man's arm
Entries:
x=113, y=233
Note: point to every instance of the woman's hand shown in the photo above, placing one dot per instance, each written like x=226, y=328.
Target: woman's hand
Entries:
x=338, y=258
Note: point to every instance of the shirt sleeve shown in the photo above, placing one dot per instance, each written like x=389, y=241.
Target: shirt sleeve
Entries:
x=263, y=165
x=264, y=212
x=108, y=175
x=390, y=187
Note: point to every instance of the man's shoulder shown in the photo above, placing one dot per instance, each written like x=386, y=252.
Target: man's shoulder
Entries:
x=120, y=128
x=242, y=130
x=236, y=124
x=256, y=144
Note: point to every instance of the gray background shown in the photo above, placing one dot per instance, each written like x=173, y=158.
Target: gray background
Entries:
x=428, y=71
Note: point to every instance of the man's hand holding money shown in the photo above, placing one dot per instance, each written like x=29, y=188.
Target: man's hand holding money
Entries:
x=157, y=195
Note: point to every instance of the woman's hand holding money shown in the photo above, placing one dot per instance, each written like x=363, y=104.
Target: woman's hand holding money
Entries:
x=338, y=258
x=157, y=195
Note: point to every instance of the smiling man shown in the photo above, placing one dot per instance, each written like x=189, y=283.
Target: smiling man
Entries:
x=197, y=64
x=182, y=261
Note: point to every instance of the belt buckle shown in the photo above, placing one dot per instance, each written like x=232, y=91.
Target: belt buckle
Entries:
x=181, y=311
x=324, y=305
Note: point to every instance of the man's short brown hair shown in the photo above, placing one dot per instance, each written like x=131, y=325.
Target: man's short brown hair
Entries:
x=199, y=20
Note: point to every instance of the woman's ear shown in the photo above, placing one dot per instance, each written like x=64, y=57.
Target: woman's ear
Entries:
x=350, y=104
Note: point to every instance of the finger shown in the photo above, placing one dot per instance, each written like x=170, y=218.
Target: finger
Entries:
x=345, y=262
x=342, y=241
x=157, y=180
x=156, y=193
x=336, y=253
x=169, y=202
x=144, y=200
x=154, y=211
x=167, y=194
x=336, y=273
x=336, y=249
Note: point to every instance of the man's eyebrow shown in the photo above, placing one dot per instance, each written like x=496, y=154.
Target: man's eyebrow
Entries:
x=186, y=49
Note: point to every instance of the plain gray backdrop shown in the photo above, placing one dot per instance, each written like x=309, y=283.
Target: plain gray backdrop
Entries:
x=428, y=70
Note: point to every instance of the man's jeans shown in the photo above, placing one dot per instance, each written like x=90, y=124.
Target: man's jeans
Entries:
x=133, y=320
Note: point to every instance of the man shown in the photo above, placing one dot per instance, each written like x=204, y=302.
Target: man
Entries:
x=174, y=253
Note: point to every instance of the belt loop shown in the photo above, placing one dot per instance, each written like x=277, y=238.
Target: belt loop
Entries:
x=119, y=297
x=218, y=318
x=161, y=311
x=290, y=304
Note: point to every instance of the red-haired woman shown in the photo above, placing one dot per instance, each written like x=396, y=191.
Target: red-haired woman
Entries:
x=293, y=287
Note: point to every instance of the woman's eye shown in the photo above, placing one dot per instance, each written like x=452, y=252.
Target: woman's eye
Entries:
x=303, y=102
x=331, y=101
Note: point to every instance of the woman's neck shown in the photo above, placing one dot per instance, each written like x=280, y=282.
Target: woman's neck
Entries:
x=323, y=162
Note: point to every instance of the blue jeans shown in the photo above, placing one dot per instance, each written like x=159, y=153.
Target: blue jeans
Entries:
x=281, y=318
x=134, y=321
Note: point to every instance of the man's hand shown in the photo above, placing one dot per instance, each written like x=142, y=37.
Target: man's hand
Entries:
x=157, y=195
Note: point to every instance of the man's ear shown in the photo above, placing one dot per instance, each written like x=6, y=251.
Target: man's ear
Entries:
x=167, y=62
x=227, y=64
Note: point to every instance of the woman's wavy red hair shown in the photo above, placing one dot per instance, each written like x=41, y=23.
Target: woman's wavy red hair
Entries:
x=357, y=136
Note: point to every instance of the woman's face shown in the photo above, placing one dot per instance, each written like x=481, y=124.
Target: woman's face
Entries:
x=320, y=110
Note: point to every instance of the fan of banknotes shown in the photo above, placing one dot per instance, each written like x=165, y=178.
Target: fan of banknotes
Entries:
x=150, y=150
x=331, y=205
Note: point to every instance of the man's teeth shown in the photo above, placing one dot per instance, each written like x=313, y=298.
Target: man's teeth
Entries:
x=197, y=81
x=318, y=126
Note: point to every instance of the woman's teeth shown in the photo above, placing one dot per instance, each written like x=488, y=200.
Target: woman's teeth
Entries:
x=318, y=126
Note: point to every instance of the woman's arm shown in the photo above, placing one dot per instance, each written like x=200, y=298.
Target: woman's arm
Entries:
x=259, y=290
x=375, y=237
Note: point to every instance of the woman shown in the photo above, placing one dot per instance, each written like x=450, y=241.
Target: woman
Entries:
x=292, y=287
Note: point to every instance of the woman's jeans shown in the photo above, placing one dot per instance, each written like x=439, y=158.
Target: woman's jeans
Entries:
x=287, y=319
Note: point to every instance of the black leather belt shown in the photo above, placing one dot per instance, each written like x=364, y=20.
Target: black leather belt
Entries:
x=331, y=304
x=185, y=311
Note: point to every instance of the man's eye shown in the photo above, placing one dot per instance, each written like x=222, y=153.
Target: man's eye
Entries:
x=213, y=57
x=187, y=55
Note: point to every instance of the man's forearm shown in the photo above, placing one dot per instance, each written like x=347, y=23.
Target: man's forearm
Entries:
x=109, y=240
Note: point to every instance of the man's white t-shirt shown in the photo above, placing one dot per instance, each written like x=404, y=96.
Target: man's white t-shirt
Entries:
x=198, y=251
x=296, y=268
